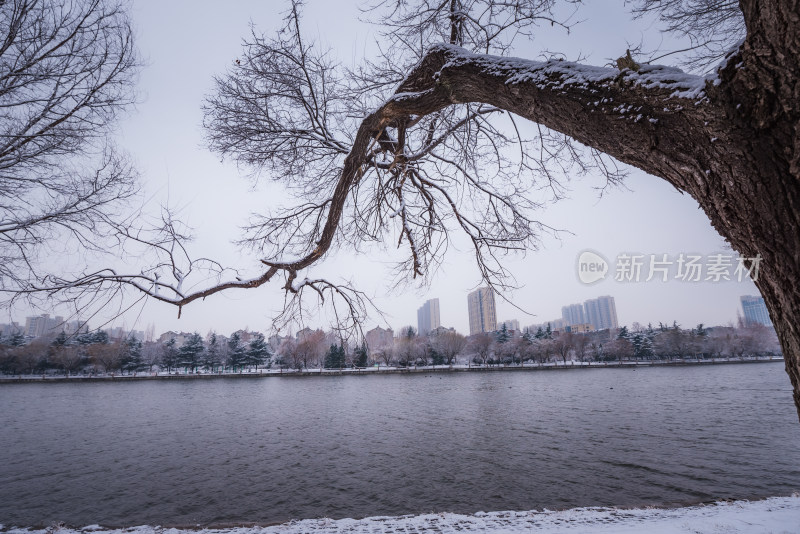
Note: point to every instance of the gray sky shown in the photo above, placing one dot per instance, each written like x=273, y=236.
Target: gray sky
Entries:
x=186, y=43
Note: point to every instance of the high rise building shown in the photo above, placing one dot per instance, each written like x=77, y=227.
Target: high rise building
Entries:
x=601, y=312
x=42, y=325
x=573, y=314
x=755, y=310
x=482, y=314
x=428, y=317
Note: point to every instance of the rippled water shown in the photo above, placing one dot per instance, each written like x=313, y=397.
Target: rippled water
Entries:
x=267, y=450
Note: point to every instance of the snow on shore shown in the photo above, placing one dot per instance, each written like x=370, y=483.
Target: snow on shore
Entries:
x=777, y=515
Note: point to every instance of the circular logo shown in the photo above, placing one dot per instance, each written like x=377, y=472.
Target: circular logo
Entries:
x=592, y=267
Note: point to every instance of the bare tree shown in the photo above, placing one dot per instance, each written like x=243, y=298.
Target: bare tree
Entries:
x=408, y=347
x=151, y=354
x=66, y=72
x=68, y=358
x=581, y=345
x=481, y=345
x=449, y=345
x=309, y=349
x=385, y=355
x=107, y=356
x=563, y=346
x=542, y=349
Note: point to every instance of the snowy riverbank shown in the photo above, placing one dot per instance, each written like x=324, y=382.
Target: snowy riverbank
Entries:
x=777, y=515
x=257, y=373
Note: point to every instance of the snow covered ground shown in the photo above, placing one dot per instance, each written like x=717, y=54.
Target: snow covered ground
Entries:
x=777, y=515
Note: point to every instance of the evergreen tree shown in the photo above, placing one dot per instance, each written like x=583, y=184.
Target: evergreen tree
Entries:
x=211, y=358
x=190, y=352
x=85, y=338
x=258, y=352
x=548, y=334
x=16, y=340
x=647, y=349
x=132, y=357
x=236, y=352
x=169, y=355
x=623, y=333
x=360, y=355
x=335, y=357
x=99, y=337
x=701, y=331
x=60, y=340
x=503, y=335
x=436, y=357
x=527, y=336
x=539, y=333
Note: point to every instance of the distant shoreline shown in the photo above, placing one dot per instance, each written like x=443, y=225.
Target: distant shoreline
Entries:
x=288, y=373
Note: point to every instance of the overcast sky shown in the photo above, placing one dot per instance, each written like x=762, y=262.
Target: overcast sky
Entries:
x=185, y=43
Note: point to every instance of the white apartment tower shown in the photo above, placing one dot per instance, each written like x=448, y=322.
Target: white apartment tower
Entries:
x=602, y=312
x=428, y=317
x=573, y=314
x=42, y=325
x=482, y=314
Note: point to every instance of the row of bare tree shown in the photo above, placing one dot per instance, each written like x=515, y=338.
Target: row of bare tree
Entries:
x=649, y=343
x=95, y=353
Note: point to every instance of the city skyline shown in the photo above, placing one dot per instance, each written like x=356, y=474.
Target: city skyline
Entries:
x=603, y=315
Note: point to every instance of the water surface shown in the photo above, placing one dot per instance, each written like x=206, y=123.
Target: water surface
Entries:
x=268, y=450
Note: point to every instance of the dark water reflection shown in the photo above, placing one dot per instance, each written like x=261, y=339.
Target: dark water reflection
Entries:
x=228, y=450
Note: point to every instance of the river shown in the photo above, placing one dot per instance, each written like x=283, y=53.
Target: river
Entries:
x=227, y=451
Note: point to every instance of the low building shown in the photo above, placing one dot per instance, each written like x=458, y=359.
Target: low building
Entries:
x=379, y=338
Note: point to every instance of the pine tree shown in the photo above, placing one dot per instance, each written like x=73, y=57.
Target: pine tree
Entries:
x=169, y=355
x=701, y=331
x=258, y=352
x=360, y=355
x=503, y=335
x=190, y=352
x=435, y=356
x=211, y=357
x=623, y=333
x=539, y=333
x=334, y=358
x=17, y=339
x=647, y=348
x=99, y=337
x=236, y=352
x=60, y=340
x=132, y=359
x=527, y=337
